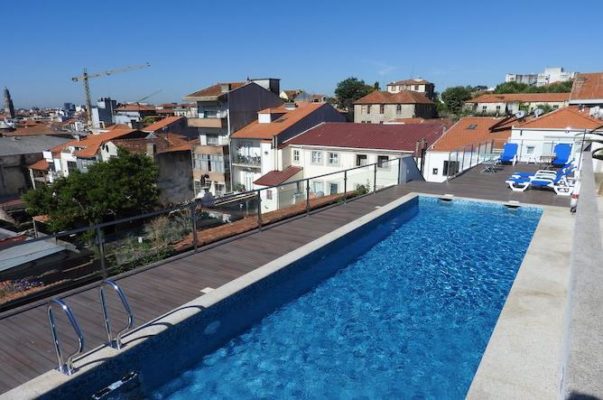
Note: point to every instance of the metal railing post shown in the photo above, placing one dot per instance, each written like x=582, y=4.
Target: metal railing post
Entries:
x=399, y=180
x=259, y=201
x=307, y=196
x=101, y=251
x=345, y=186
x=375, y=178
x=194, y=224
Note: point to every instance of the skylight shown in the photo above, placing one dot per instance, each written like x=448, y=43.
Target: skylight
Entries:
x=472, y=126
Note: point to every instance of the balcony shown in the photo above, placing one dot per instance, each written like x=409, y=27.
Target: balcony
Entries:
x=247, y=161
x=208, y=122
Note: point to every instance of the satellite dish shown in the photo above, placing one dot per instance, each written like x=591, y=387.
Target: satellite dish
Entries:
x=520, y=114
x=538, y=112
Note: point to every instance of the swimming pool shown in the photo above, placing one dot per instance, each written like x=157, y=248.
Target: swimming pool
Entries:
x=400, y=303
x=410, y=318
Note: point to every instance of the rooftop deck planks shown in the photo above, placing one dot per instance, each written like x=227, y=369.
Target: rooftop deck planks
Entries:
x=25, y=344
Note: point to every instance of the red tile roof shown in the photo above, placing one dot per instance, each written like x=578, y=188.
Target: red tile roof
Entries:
x=402, y=121
x=471, y=131
x=369, y=136
x=567, y=117
x=88, y=147
x=163, y=123
x=276, y=177
x=213, y=90
x=162, y=141
x=267, y=131
x=587, y=87
x=521, y=98
x=402, y=97
x=40, y=165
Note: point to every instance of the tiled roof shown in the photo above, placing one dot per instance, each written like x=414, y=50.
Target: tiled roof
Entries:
x=89, y=146
x=163, y=123
x=162, y=142
x=213, y=90
x=188, y=146
x=276, y=177
x=520, y=98
x=587, y=87
x=267, y=131
x=40, y=165
x=369, y=136
x=402, y=97
x=470, y=131
x=567, y=117
x=133, y=107
x=403, y=121
x=410, y=82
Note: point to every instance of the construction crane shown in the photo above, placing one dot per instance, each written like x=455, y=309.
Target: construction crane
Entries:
x=85, y=77
x=149, y=96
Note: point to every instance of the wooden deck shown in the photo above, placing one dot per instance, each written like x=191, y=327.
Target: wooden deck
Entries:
x=26, y=349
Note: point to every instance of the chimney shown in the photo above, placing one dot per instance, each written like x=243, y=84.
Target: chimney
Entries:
x=151, y=149
x=225, y=87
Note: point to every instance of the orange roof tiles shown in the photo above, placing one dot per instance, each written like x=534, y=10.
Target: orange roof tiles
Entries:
x=468, y=131
x=214, y=90
x=402, y=97
x=587, y=87
x=267, y=131
x=88, y=147
x=521, y=98
x=276, y=177
x=135, y=107
x=163, y=123
x=40, y=165
x=563, y=118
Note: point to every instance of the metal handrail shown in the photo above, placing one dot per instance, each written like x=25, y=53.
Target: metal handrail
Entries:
x=115, y=342
x=65, y=367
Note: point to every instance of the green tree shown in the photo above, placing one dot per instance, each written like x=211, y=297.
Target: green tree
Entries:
x=516, y=87
x=454, y=98
x=349, y=90
x=123, y=186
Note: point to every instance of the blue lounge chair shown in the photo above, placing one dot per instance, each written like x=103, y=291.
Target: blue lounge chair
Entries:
x=562, y=154
x=509, y=154
x=560, y=182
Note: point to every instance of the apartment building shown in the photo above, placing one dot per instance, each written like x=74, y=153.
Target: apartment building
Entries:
x=414, y=85
x=255, y=149
x=221, y=110
x=503, y=104
x=379, y=107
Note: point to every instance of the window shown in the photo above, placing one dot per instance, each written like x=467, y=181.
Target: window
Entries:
x=450, y=168
x=363, y=109
x=417, y=87
x=498, y=107
x=269, y=194
x=361, y=159
x=381, y=108
x=316, y=157
x=368, y=109
x=382, y=161
x=333, y=188
x=484, y=109
x=318, y=188
x=71, y=166
x=530, y=150
x=398, y=108
x=296, y=156
x=333, y=159
x=213, y=140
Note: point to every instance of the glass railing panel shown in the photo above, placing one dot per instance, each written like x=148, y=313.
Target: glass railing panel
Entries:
x=387, y=173
x=34, y=268
x=360, y=180
x=283, y=201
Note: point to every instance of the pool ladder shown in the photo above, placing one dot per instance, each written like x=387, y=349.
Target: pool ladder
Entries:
x=66, y=366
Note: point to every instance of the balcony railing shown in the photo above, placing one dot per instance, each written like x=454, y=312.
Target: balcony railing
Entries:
x=253, y=161
x=69, y=259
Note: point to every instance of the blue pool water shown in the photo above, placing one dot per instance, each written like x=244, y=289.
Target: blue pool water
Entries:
x=408, y=319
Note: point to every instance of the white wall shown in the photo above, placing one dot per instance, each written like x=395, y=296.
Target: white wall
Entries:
x=434, y=160
x=535, y=143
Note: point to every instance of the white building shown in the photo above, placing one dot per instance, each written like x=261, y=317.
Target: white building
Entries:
x=256, y=149
x=468, y=142
x=503, y=104
x=333, y=147
x=537, y=137
x=548, y=76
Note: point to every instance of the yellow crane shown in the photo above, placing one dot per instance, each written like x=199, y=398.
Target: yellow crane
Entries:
x=85, y=77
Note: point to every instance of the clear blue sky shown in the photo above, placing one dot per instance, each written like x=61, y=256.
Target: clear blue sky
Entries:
x=308, y=44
